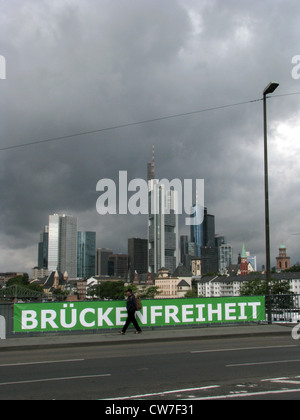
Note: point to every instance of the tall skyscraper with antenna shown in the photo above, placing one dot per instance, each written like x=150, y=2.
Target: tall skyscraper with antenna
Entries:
x=162, y=224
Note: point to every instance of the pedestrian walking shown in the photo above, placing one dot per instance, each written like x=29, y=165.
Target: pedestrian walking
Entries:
x=131, y=309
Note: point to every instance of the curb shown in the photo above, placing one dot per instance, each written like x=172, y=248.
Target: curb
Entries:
x=142, y=341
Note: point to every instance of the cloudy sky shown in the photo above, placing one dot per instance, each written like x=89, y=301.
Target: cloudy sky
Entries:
x=74, y=66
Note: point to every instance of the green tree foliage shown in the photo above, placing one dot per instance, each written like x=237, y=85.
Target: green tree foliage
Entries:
x=23, y=280
x=116, y=291
x=191, y=293
x=258, y=287
x=108, y=290
x=148, y=292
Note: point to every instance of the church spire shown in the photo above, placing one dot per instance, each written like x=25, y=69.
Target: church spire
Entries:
x=244, y=253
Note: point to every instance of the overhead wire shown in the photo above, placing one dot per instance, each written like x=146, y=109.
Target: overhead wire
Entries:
x=132, y=124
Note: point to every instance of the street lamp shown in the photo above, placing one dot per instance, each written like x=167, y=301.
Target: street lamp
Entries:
x=269, y=89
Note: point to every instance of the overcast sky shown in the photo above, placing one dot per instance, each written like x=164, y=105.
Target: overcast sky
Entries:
x=74, y=66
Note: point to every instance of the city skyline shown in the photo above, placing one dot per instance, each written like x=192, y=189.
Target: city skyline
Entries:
x=202, y=233
x=107, y=80
x=215, y=253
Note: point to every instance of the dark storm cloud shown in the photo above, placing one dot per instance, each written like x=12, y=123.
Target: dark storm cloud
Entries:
x=75, y=66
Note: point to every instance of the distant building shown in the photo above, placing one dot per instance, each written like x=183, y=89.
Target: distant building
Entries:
x=137, y=256
x=227, y=286
x=209, y=257
x=118, y=265
x=244, y=262
x=62, y=244
x=55, y=281
x=283, y=262
x=167, y=285
x=252, y=260
x=243, y=267
x=86, y=254
x=175, y=285
x=43, y=249
x=197, y=232
x=196, y=264
x=225, y=257
x=38, y=272
x=102, y=261
x=188, y=251
x=162, y=228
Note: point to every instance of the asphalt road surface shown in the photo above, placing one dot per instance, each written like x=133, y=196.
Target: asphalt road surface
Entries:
x=233, y=369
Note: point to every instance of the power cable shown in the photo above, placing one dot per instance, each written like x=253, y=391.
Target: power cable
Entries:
x=132, y=124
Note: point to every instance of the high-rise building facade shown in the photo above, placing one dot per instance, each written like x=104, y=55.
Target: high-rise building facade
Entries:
x=86, y=254
x=162, y=228
x=208, y=229
x=197, y=234
x=137, y=256
x=118, y=265
x=102, y=261
x=43, y=249
x=53, y=242
x=225, y=257
x=62, y=244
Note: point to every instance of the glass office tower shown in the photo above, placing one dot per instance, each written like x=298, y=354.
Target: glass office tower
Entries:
x=86, y=254
x=197, y=232
x=62, y=245
x=162, y=228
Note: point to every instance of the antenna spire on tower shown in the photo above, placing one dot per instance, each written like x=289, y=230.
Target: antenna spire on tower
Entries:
x=153, y=162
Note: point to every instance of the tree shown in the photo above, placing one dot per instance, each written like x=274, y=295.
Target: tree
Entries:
x=60, y=294
x=258, y=287
x=294, y=269
x=22, y=280
x=191, y=293
x=148, y=292
x=108, y=290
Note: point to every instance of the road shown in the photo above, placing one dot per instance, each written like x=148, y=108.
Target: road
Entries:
x=235, y=369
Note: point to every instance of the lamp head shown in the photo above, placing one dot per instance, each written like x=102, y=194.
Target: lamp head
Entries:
x=271, y=88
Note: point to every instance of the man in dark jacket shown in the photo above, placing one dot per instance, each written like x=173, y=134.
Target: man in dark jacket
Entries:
x=131, y=309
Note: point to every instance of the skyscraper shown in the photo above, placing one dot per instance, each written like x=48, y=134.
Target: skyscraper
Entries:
x=225, y=257
x=62, y=244
x=203, y=229
x=102, y=261
x=162, y=227
x=208, y=229
x=43, y=249
x=197, y=234
x=138, y=256
x=86, y=254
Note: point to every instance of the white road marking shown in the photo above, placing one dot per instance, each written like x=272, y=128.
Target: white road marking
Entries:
x=54, y=379
x=241, y=349
x=249, y=394
x=263, y=363
x=285, y=380
x=41, y=363
x=164, y=393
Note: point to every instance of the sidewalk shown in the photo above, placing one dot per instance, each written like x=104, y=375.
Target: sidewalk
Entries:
x=113, y=337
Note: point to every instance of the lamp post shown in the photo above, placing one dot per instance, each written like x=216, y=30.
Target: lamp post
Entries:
x=269, y=89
